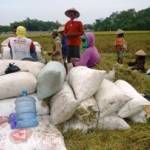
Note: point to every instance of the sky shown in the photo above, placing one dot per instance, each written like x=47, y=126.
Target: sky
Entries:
x=53, y=10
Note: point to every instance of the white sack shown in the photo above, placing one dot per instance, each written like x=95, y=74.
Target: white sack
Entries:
x=139, y=118
x=43, y=137
x=110, y=98
x=75, y=124
x=110, y=75
x=50, y=79
x=85, y=81
x=136, y=105
x=89, y=104
x=5, y=52
x=133, y=107
x=127, y=88
x=148, y=71
x=11, y=85
x=87, y=111
x=112, y=122
x=7, y=106
x=63, y=105
x=26, y=66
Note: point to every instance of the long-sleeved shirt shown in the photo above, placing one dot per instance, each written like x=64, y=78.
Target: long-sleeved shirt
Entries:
x=120, y=44
x=90, y=56
x=75, y=28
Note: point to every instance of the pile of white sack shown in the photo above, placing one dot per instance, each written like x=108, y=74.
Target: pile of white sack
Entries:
x=89, y=100
x=40, y=81
x=84, y=99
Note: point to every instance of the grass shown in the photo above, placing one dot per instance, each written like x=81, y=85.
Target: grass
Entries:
x=138, y=137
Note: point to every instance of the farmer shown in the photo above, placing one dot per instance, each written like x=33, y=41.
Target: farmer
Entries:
x=64, y=47
x=90, y=56
x=120, y=45
x=56, y=47
x=73, y=31
x=22, y=47
x=139, y=63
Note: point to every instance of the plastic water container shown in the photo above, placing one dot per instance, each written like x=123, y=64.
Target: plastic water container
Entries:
x=26, y=111
x=27, y=123
x=24, y=116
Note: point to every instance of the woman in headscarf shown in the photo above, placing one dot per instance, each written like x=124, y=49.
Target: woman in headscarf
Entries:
x=90, y=56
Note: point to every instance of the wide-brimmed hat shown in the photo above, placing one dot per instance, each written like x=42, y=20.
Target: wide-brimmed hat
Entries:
x=140, y=53
x=119, y=31
x=61, y=29
x=67, y=12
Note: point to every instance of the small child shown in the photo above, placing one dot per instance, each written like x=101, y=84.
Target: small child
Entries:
x=120, y=45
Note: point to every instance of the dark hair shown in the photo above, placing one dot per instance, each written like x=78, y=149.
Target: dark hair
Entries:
x=120, y=35
x=55, y=33
x=14, y=27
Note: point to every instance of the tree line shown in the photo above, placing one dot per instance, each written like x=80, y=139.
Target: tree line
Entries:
x=127, y=20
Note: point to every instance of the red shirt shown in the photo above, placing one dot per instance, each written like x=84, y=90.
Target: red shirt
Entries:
x=73, y=27
x=120, y=44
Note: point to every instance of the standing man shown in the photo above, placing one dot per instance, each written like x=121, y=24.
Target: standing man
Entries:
x=73, y=30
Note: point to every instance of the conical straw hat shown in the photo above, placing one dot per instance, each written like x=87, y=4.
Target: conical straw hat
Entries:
x=140, y=53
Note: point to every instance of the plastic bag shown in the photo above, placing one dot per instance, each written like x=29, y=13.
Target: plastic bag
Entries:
x=12, y=68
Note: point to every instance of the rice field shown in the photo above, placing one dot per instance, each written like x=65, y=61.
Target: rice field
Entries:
x=138, y=137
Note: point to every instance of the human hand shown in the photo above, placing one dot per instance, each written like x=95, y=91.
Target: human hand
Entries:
x=71, y=34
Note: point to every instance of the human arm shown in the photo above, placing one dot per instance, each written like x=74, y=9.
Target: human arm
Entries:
x=33, y=51
x=74, y=28
x=83, y=59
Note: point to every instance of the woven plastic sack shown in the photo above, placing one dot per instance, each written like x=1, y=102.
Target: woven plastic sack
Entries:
x=134, y=106
x=63, y=105
x=110, y=75
x=26, y=66
x=11, y=85
x=85, y=81
x=112, y=122
x=50, y=79
x=7, y=106
x=87, y=111
x=75, y=124
x=139, y=118
x=43, y=137
x=110, y=98
x=127, y=88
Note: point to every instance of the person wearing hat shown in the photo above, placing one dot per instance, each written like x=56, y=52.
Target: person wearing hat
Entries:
x=56, y=47
x=120, y=45
x=139, y=63
x=73, y=30
x=22, y=47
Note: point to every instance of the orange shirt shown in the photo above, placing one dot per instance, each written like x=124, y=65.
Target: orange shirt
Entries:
x=120, y=43
x=73, y=27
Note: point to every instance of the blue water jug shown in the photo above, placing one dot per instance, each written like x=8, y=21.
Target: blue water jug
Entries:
x=26, y=111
